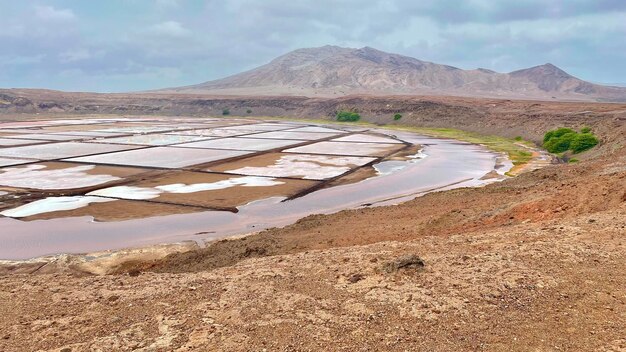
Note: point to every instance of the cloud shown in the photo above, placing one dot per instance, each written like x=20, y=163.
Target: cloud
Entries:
x=49, y=13
x=160, y=43
x=75, y=55
x=169, y=29
x=166, y=4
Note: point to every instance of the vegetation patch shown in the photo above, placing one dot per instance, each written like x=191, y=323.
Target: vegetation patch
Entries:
x=347, y=116
x=565, y=139
x=225, y=112
x=397, y=117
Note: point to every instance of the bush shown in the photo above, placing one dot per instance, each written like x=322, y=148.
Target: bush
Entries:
x=249, y=111
x=564, y=139
x=585, y=130
x=572, y=160
x=582, y=142
x=557, y=133
x=397, y=117
x=560, y=144
x=348, y=116
x=518, y=138
x=225, y=112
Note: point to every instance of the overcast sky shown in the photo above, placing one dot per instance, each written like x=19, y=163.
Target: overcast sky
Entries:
x=125, y=45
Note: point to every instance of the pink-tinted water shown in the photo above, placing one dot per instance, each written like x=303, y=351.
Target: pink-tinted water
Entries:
x=448, y=164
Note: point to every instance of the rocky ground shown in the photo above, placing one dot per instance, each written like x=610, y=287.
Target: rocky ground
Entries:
x=537, y=262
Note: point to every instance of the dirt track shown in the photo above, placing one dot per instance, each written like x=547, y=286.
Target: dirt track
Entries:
x=537, y=262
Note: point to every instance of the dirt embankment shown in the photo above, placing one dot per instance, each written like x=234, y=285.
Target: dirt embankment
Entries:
x=510, y=118
x=536, y=262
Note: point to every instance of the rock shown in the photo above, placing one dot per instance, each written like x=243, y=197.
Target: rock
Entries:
x=410, y=261
x=354, y=278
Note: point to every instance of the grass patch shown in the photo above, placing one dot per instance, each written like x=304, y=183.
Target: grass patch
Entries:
x=397, y=117
x=347, y=116
x=517, y=153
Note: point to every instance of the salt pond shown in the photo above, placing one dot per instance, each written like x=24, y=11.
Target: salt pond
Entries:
x=263, y=179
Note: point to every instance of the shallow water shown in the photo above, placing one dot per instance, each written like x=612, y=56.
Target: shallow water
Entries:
x=309, y=167
x=448, y=164
x=163, y=157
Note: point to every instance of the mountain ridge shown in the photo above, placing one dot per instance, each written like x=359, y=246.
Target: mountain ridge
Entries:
x=338, y=71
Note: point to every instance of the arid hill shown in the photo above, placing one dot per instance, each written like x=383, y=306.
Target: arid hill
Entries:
x=336, y=71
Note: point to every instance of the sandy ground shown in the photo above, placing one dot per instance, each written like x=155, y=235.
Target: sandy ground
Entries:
x=534, y=263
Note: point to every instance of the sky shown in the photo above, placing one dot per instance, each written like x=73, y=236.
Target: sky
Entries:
x=130, y=45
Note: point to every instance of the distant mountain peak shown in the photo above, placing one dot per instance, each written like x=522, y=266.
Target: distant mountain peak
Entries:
x=548, y=77
x=545, y=69
x=333, y=70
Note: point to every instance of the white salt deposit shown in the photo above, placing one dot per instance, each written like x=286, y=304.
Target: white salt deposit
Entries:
x=127, y=192
x=165, y=157
x=211, y=132
x=249, y=181
x=39, y=177
x=366, y=138
x=144, y=193
x=51, y=204
x=311, y=167
x=317, y=129
x=137, y=129
x=236, y=143
x=152, y=139
x=305, y=136
x=60, y=150
x=5, y=142
x=11, y=162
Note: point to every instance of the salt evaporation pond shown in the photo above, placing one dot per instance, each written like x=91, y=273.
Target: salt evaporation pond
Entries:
x=282, y=159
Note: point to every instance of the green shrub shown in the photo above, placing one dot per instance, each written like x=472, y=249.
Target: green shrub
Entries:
x=397, y=117
x=582, y=142
x=225, y=112
x=560, y=144
x=564, y=139
x=249, y=111
x=585, y=130
x=557, y=133
x=518, y=138
x=348, y=116
x=572, y=160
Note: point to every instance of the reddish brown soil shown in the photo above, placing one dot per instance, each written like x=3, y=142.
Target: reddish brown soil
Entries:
x=119, y=210
x=221, y=198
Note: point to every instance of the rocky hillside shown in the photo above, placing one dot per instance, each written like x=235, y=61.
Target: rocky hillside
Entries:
x=333, y=71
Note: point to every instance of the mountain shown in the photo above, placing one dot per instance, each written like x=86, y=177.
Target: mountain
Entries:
x=333, y=71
